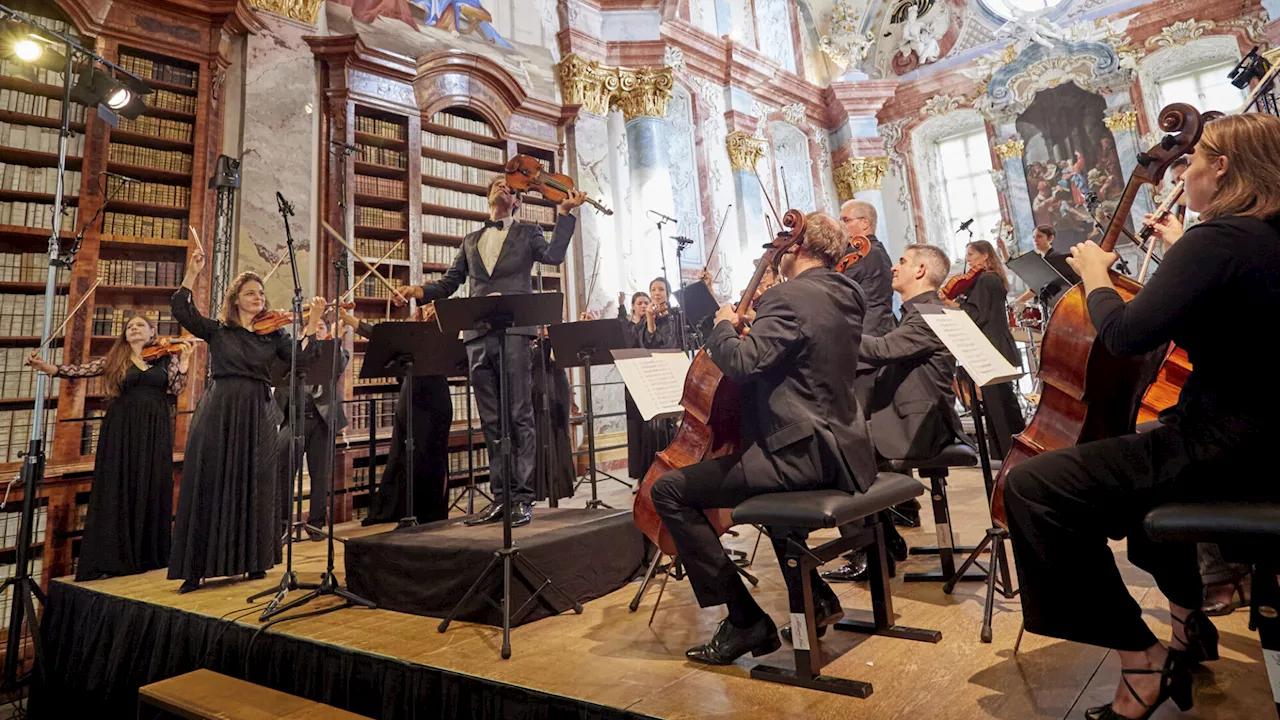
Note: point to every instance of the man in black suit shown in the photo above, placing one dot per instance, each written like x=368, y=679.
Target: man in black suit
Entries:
x=498, y=259
x=1044, y=237
x=320, y=410
x=912, y=407
x=801, y=430
x=873, y=274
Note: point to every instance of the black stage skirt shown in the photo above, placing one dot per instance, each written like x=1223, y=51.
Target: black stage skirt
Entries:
x=228, y=519
x=645, y=439
x=131, y=506
x=432, y=420
x=553, y=472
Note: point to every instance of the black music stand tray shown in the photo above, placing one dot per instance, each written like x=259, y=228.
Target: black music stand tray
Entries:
x=408, y=350
x=587, y=344
x=503, y=316
x=697, y=303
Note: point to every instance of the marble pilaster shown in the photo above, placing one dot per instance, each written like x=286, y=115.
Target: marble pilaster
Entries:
x=745, y=151
x=1123, y=124
x=1010, y=152
x=651, y=253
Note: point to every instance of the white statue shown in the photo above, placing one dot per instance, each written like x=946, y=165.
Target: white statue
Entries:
x=924, y=38
x=1031, y=27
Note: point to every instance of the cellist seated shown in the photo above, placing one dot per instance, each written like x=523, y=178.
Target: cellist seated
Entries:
x=800, y=430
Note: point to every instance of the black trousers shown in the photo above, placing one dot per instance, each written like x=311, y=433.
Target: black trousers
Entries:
x=1001, y=402
x=517, y=365
x=319, y=454
x=680, y=496
x=1064, y=505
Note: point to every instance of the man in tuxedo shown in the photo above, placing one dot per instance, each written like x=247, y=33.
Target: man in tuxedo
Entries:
x=912, y=407
x=498, y=259
x=320, y=411
x=873, y=274
x=801, y=430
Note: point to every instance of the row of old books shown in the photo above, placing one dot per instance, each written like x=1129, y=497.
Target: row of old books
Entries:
x=17, y=101
x=454, y=199
x=43, y=76
x=23, y=315
x=143, y=226
x=439, y=254
x=372, y=249
x=19, y=381
x=168, y=160
x=381, y=156
x=381, y=128
x=379, y=218
x=159, y=127
x=36, y=215
x=479, y=459
x=23, y=178
x=109, y=322
x=38, y=139
x=358, y=412
x=446, y=170
x=15, y=434
x=372, y=287
x=89, y=432
x=152, y=273
x=381, y=187
x=458, y=394
x=177, y=196
x=149, y=69
x=475, y=127
x=440, y=225
x=356, y=363
x=460, y=146
x=166, y=100
x=10, y=525
x=536, y=213
x=28, y=267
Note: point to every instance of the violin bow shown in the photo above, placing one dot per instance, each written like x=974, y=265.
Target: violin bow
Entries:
x=63, y=326
x=196, y=236
x=275, y=267
x=712, y=252
x=768, y=199
x=351, y=290
x=782, y=175
x=334, y=234
x=595, y=273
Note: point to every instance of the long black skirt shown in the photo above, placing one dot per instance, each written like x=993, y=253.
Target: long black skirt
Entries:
x=1001, y=402
x=127, y=527
x=645, y=439
x=433, y=417
x=553, y=471
x=227, y=520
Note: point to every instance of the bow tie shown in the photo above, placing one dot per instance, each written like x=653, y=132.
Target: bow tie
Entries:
x=495, y=224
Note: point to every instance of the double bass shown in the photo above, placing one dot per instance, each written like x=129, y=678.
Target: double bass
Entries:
x=1088, y=393
x=710, y=401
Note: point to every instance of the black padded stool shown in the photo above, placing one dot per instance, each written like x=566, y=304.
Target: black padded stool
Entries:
x=1248, y=534
x=935, y=470
x=816, y=510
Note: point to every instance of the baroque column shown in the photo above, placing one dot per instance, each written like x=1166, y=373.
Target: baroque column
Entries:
x=745, y=150
x=642, y=96
x=1024, y=223
x=1123, y=125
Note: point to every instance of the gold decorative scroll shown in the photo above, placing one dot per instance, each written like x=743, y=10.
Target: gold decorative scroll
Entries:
x=858, y=174
x=745, y=150
x=1010, y=149
x=1123, y=120
x=304, y=10
x=599, y=88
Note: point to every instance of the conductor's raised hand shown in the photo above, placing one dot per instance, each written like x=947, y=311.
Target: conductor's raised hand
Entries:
x=405, y=293
x=195, y=265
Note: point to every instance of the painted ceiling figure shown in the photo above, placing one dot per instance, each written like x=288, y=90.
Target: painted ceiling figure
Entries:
x=463, y=16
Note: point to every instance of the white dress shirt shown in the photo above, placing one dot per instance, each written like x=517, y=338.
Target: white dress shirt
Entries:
x=491, y=241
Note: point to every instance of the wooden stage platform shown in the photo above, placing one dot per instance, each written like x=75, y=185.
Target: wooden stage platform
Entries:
x=610, y=658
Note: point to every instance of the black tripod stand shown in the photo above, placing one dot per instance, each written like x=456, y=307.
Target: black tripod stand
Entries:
x=498, y=315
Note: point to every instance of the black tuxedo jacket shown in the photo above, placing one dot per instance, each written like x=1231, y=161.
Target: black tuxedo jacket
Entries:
x=512, y=272
x=799, y=410
x=874, y=274
x=913, y=415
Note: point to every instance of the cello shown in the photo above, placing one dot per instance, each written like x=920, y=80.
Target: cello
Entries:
x=709, y=428
x=1088, y=393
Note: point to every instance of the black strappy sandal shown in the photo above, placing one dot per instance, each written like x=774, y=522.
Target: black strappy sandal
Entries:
x=1175, y=684
x=1199, y=637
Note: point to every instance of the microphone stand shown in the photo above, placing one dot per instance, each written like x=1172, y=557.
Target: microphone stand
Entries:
x=662, y=248
x=682, y=243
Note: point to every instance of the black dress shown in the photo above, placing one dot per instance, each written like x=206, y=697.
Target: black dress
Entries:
x=227, y=521
x=131, y=505
x=637, y=461
x=553, y=473
x=655, y=435
x=985, y=303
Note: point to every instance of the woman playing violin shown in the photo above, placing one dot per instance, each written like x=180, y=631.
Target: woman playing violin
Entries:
x=1064, y=505
x=984, y=300
x=127, y=526
x=227, y=511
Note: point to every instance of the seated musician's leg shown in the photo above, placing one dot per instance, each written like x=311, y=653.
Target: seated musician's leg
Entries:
x=826, y=605
x=679, y=497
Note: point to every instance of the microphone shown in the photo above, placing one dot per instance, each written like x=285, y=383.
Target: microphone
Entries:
x=682, y=240
x=285, y=207
x=965, y=225
x=122, y=178
x=665, y=218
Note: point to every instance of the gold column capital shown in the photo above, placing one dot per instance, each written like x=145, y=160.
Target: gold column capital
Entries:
x=598, y=88
x=1012, y=148
x=745, y=150
x=858, y=174
x=644, y=92
x=304, y=10
x=1123, y=120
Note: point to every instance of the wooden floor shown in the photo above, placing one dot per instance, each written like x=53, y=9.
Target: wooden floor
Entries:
x=611, y=656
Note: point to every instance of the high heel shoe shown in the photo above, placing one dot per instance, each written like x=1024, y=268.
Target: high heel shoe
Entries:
x=1217, y=608
x=1199, y=637
x=1175, y=684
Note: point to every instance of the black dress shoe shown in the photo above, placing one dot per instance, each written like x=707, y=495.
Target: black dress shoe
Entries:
x=828, y=611
x=906, y=514
x=521, y=513
x=491, y=513
x=315, y=535
x=189, y=586
x=857, y=569
x=259, y=575
x=730, y=643
x=897, y=547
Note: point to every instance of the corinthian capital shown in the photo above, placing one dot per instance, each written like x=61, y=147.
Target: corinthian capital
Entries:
x=858, y=174
x=642, y=92
x=745, y=150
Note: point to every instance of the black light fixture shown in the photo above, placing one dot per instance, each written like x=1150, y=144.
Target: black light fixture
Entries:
x=112, y=97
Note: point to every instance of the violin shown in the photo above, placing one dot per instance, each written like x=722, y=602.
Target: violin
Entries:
x=525, y=173
x=861, y=246
x=710, y=427
x=961, y=284
x=166, y=346
x=269, y=321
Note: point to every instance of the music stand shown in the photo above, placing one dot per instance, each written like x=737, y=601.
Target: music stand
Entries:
x=696, y=304
x=587, y=344
x=503, y=316
x=408, y=350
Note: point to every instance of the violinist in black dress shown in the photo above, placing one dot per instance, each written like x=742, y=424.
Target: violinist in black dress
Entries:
x=984, y=301
x=228, y=512
x=632, y=325
x=1064, y=505
x=131, y=503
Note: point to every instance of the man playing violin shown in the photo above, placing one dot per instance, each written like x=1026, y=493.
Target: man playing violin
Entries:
x=498, y=259
x=801, y=430
x=874, y=274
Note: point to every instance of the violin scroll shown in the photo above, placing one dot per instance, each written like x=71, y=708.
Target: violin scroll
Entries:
x=861, y=246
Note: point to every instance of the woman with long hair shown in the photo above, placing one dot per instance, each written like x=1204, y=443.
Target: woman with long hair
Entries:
x=985, y=303
x=1063, y=506
x=131, y=502
x=228, y=516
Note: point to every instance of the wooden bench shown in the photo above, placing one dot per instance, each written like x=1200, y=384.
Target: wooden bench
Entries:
x=207, y=695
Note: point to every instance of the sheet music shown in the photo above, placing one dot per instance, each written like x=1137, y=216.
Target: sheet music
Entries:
x=971, y=348
x=655, y=379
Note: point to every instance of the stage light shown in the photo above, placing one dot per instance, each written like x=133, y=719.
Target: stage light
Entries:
x=118, y=97
x=28, y=50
